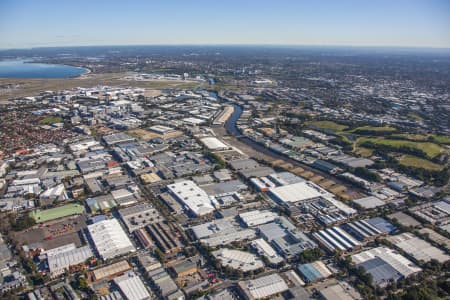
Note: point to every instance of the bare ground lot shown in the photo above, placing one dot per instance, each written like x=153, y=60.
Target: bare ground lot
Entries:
x=24, y=87
x=62, y=232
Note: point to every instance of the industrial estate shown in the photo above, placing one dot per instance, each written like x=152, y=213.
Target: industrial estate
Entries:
x=226, y=174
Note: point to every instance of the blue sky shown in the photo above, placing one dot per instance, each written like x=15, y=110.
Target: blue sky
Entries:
x=410, y=23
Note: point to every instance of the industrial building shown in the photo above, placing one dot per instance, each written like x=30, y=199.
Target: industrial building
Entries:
x=61, y=258
x=296, y=192
x=284, y=178
x=132, y=287
x=264, y=249
x=139, y=216
x=225, y=188
x=214, y=144
x=436, y=237
x=263, y=287
x=186, y=267
x=193, y=197
x=110, y=239
x=348, y=236
x=314, y=271
x=111, y=271
x=340, y=291
x=262, y=184
x=435, y=212
x=144, y=238
x=163, y=282
x=369, y=202
x=238, y=260
x=257, y=217
x=164, y=238
x=285, y=238
x=385, y=265
x=221, y=232
x=418, y=248
x=118, y=138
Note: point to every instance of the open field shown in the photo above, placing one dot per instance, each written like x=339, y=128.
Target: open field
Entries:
x=31, y=87
x=441, y=139
x=373, y=129
x=417, y=162
x=415, y=116
x=365, y=152
x=431, y=149
x=330, y=125
x=50, y=120
x=142, y=134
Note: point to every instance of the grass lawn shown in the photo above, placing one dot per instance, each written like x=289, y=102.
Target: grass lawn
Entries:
x=364, y=152
x=51, y=120
x=415, y=117
x=414, y=161
x=374, y=129
x=430, y=149
x=410, y=136
x=328, y=125
x=443, y=139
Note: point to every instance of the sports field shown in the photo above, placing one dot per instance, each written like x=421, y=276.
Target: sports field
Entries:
x=55, y=213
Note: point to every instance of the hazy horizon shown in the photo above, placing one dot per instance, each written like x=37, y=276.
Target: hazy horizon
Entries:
x=403, y=23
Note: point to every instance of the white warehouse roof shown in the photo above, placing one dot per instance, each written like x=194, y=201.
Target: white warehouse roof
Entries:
x=213, y=143
x=110, y=239
x=400, y=263
x=238, y=260
x=264, y=287
x=257, y=217
x=192, y=196
x=132, y=287
x=62, y=258
x=297, y=192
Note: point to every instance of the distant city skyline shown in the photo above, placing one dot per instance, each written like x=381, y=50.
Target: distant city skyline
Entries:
x=399, y=23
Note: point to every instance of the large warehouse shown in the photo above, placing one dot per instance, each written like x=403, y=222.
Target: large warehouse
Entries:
x=296, y=192
x=61, y=258
x=385, y=265
x=192, y=196
x=132, y=286
x=418, y=248
x=212, y=143
x=263, y=287
x=110, y=239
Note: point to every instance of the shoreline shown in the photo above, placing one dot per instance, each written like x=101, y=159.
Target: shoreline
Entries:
x=86, y=70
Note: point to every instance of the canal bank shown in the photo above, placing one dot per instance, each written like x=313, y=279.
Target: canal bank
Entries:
x=259, y=151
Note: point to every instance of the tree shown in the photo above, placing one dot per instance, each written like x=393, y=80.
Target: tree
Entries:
x=366, y=174
x=23, y=222
x=310, y=255
x=160, y=255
